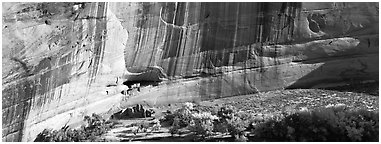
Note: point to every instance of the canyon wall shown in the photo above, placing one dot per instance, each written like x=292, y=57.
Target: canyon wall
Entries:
x=214, y=50
x=62, y=61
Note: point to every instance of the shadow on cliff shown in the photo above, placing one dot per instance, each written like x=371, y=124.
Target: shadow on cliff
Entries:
x=350, y=72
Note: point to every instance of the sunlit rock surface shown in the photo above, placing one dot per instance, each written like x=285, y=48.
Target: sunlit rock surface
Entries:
x=62, y=61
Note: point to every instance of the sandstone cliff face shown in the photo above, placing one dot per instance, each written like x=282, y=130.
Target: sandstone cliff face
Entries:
x=57, y=62
x=62, y=61
x=214, y=50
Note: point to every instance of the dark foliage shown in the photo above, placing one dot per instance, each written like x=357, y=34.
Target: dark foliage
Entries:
x=95, y=127
x=179, y=118
x=233, y=122
x=321, y=125
x=336, y=124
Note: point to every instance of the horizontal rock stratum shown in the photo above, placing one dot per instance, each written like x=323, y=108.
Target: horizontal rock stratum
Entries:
x=62, y=61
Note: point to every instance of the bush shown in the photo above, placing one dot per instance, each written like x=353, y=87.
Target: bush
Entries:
x=323, y=124
x=226, y=112
x=174, y=129
x=202, y=123
x=95, y=126
x=232, y=121
x=236, y=126
x=182, y=116
x=179, y=119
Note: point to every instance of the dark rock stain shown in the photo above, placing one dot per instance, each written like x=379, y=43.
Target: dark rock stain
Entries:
x=316, y=22
x=23, y=65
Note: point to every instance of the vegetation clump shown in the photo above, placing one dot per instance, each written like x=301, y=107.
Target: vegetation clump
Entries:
x=318, y=125
x=322, y=124
x=202, y=123
x=95, y=126
x=179, y=118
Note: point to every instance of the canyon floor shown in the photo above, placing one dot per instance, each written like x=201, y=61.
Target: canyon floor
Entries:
x=266, y=103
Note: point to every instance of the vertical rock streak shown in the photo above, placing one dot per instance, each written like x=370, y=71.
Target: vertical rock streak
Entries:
x=45, y=89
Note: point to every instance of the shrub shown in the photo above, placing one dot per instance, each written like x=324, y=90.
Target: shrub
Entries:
x=226, y=112
x=95, y=126
x=174, y=129
x=323, y=124
x=202, y=123
x=233, y=122
x=183, y=116
x=140, y=126
x=236, y=126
